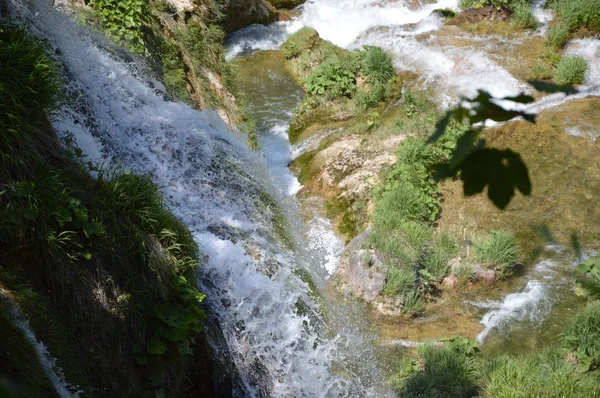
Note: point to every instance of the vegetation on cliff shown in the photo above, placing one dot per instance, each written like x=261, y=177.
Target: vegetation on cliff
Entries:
x=103, y=270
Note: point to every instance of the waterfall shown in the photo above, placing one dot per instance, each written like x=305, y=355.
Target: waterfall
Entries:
x=266, y=311
x=47, y=362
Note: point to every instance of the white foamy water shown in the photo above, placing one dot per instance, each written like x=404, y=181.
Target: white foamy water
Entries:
x=534, y=302
x=214, y=183
x=529, y=304
x=47, y=362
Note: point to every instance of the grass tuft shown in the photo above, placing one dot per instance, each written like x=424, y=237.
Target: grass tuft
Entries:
x=498, y=251
x=571, y=70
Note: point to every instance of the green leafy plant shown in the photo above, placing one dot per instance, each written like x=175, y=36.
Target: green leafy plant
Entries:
x=122, y=20
x=582, y=337
x=331, y=80
x=571, y=70
x=462, y=345
x=588, y=281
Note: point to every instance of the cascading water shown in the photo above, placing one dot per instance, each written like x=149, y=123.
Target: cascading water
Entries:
x=454, y=63
x=46, y=360
x=267, y=313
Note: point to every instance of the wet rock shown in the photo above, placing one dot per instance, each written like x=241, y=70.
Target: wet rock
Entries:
x=484, y=275
x=288, y=4
x=451, y=282
x=226, y=302
x=241, y=13
x=361, y=272
x=454, y=264
x=389, y=306
x=444, y=13
x=487, y=13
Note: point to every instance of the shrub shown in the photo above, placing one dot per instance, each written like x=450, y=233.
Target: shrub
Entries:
x=582, y=337
x=377, y=65
x=398, y=280
x=413, y=303
x=571, y=70
x=498, y=251
x=122, y=20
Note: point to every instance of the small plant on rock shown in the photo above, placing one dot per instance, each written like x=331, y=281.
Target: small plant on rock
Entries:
x=498, y=251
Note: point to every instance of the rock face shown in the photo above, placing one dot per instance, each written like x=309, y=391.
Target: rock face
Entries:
x=241, y=13
x=361, y=272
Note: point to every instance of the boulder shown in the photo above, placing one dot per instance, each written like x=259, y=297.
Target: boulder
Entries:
x=241, y=13
x=361, y=272
x=484, y=275
x=451, y=282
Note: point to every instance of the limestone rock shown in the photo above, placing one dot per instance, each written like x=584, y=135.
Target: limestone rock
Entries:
x=451, y=282
x=484, y=275
x=389, y=306
x=361, y=272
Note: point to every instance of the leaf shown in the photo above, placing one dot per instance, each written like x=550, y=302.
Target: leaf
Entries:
x=141, y=360
x=156, y=346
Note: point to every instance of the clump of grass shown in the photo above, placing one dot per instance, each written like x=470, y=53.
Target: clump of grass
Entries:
x=413, y=304
x=498, y=251
x=377, y=65
x=442, y=251
x=571, y=70
x=582, y=337
x=398, y=280
x=300, y=41
x=523, y=15
x=558, y=36
x=445, y=373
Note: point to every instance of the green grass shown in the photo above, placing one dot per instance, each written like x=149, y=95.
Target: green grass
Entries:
x=571, y=70
x=399, y=280
x=543, y=375
x=578, y=13
x=442, y=251
x=451, y=371
x=582, y=337
x=523, y=15
x=413, y=303
x=498, y=251
x=445, y=373
x=558, y=36
x=115, y=263
x=377, y=65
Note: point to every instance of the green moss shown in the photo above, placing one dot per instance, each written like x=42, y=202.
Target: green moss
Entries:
x=286, y=3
